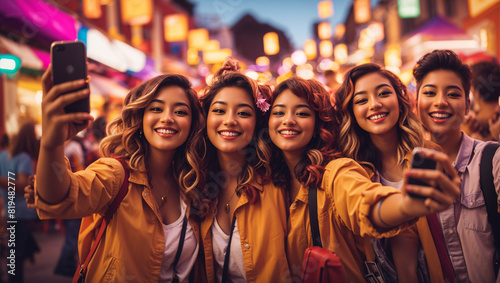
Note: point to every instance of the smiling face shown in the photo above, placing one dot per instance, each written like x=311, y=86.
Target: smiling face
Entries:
x=231, y=120
x=167, y=120
x=442, y=103
x=375, y=104
x=292, y=122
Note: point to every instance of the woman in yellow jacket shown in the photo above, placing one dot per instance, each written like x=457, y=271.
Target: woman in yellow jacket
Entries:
x=159, y=126
x=245, y=231
x=379, y=129
x=351, y=208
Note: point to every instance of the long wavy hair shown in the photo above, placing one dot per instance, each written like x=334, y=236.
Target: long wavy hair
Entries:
x=257, y=152
x=321, y=149
x=125, y=137
x=356, y=142
x=26, y=141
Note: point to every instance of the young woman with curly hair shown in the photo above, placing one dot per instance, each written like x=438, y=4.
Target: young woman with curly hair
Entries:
x=379, y=129
x=159, y=136
x=351, y=207
x=443, y=85
x=243, y=235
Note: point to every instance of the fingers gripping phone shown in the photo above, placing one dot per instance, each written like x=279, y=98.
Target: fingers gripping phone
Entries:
x=69, y=63
x=418, y=161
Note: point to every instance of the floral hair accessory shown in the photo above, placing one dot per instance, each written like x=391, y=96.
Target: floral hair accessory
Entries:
x=262, y=103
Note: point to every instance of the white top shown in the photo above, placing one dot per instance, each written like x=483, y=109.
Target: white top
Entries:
x=236, y=271
x=189, y=253
x=397, y=184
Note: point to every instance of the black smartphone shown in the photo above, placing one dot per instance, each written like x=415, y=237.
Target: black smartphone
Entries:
x=69, y=63
x=420, y=162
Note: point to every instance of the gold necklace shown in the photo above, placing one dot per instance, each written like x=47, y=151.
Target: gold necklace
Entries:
x=227, y=208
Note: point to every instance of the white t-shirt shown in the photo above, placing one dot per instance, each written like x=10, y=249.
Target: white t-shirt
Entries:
x=189, y=253
x=236, y=270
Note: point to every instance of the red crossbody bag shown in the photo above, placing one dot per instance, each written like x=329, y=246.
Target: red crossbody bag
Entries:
x=319, y=264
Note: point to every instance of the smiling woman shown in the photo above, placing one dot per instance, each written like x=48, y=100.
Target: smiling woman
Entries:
x=244, y=234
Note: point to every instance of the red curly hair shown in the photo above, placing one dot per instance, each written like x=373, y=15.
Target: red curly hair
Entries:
x=321, y=149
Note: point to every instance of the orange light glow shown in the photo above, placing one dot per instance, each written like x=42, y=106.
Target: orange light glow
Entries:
x=271, y=43
x=176, y=27
x=136, y=12
x=197, y=38
x=325, y=9
x=325, y=48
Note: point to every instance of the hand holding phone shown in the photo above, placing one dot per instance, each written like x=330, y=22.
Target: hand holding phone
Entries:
x=418, y=161
x=69, y=63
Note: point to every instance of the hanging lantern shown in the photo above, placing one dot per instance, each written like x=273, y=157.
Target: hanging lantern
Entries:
x=362, y=11
x=211, y=45
x=325, y=9
x=325, y=48
x=197, y=38
x=341, y=53
x=136, y=12
x=271, y=43
x=192, y=56
x=310, y=49
x=92, y=9
x=176, y=27
x=325, y=30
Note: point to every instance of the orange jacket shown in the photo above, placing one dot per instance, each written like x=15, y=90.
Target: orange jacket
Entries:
x=262, y=227
x=132, y=248
x=344, y=200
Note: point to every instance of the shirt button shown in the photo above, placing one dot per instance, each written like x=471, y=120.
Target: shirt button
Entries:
x=247, y=246
x=295, y=204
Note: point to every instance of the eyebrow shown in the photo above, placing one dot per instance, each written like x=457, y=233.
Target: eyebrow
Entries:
x=376, y=88
x=298, y=106
x=176, y=104
x=239, y=105
x=448, y=87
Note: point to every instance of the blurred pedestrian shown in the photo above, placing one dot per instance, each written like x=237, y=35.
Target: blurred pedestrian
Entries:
x=379, y=129
x=483, y=122
x=443, y=84
x=244, y=233
x=16, y=164
x=158, y=138
x=351, y=208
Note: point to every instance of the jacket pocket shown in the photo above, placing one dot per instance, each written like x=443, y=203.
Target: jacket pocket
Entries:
x=110, y=274
x=473, y=213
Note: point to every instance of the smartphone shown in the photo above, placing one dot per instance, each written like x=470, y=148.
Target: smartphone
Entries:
x=420, y=162
x=69, y=63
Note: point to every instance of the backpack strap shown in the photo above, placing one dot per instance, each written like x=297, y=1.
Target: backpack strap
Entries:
x=313, y=216
x=490, y=195
x=80, y=274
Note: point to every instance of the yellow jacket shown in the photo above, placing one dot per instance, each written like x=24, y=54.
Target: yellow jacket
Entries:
x=262, y=227
x=132, y=248
x=344, y=200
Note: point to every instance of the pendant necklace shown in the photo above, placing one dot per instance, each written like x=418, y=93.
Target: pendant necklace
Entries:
x=227, y=208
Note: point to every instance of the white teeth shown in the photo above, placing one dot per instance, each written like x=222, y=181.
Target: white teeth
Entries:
x=440, y=115
x=229, y=134
x=164, y=131
x=289, y=133
x=379, y=116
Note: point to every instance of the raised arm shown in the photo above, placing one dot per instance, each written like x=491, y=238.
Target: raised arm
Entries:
x=443, y=190
x=52, y=180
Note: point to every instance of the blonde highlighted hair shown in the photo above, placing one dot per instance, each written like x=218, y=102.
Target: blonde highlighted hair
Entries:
x=125, y=138
x=356, y=142
x=258, y=152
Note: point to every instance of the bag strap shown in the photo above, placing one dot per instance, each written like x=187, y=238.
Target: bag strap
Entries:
x=80, y=274
x=179, y=249
x=225, y=269
x=313, y=216
x=490, y=195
